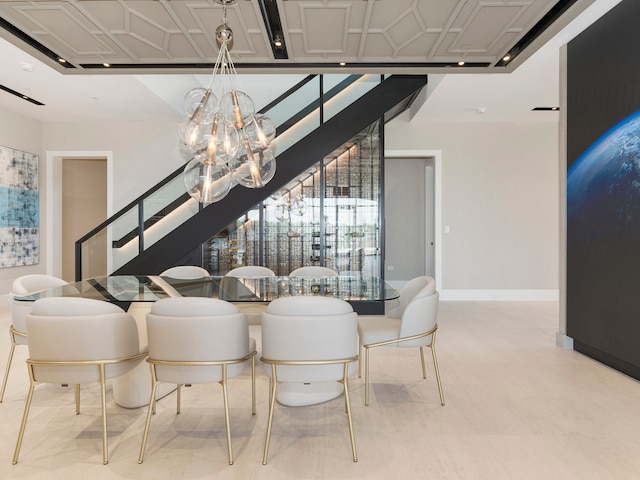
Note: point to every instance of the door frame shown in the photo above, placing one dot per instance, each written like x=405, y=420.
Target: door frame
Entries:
x=437, y=201
x=53, y=201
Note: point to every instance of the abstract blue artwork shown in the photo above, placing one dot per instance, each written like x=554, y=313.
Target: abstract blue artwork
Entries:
x=19, y=208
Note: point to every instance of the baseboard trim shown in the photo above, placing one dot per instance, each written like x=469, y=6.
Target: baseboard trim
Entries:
x=500, y=295
x=563, y=341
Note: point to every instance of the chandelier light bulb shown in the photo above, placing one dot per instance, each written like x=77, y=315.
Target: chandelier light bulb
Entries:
x=253, y=170
x=206, y=182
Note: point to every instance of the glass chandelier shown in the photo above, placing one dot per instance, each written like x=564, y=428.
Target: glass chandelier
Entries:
x=228, y=141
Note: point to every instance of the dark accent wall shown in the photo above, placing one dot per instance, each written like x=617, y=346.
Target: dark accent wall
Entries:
x=603, y=189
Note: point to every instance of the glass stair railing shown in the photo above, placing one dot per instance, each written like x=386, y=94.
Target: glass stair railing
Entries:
x=161, y=210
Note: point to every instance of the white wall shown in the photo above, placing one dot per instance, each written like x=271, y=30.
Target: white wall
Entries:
x=500, y=194
x=143, y=152
x=23, y=134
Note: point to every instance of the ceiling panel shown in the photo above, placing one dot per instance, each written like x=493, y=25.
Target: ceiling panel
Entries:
x=422, y=36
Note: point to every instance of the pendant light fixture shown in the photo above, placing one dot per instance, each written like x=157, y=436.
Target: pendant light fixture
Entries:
x=229, y=142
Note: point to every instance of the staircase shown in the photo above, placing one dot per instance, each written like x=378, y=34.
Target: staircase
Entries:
x=385, y=100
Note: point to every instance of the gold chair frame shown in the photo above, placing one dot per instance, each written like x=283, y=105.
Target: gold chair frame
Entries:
x=224, y=363
x=273, y=385
x=81, y=363
x=399, y=340
x=12, y=333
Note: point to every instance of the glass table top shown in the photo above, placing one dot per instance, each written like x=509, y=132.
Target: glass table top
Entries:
x=149, y=288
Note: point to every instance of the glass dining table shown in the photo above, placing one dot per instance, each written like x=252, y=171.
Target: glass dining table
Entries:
x=366, y=294
x=136, y=293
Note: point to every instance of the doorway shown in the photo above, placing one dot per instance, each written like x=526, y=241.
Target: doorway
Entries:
x=84, y=207
x=91, y=186
x=412, y=215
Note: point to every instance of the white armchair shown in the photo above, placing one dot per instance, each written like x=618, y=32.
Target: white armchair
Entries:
x=309, y=340
x=251, y=271
x=197, y=340
x=75, y=341
x=313, y=272
x=24, y=285
x=186, y=272
x=410, y=323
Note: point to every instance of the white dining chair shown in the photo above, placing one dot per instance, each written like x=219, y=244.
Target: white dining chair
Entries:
x=305, y=340
x=313, y=272
x=412, y=322
x=197, y=340
x=250, y=271
x=74, y=341
x=24, y=285
x=253, y=310
x=186, y=272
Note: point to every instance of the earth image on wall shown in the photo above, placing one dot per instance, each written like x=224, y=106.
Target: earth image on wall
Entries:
x=603, y=190
x=603, y=241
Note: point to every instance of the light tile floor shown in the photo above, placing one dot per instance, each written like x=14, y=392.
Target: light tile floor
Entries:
x=517, y=408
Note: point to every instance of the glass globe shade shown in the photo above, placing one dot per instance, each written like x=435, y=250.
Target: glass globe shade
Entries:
x=205, y=182
x=238, y=107
x=261, y=131
x=200, y=100
x=254, y=169
x=223, y=140
x=194, y=135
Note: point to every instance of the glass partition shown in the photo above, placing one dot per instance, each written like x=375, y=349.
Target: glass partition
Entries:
x=330, y=215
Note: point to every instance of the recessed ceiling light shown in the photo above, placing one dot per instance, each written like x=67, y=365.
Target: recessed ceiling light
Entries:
x=506, y=58
x=62, y=60
x=461, y=63
x=342, y=64
x=105, y=64
x=277, y=41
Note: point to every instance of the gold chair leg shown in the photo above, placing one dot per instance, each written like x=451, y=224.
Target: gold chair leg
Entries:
x=6, y=371
x=366, y=376
x=23, y=424
x=225, y=398
x=253, y=385
x=152, y=404
x=424, y=369
x=178, y=399
x=273, y=385
x=103, y=394
x=76, y=397
x=359, y=357
x=348, y=403
x=435, y=364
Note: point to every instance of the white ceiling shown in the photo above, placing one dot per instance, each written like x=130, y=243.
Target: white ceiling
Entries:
x=146, y=96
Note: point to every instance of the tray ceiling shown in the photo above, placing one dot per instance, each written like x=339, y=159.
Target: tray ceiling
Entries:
x=382, y=36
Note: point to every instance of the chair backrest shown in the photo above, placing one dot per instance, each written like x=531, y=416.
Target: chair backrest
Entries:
x=35, y=283
x=420, y=316
x=315, y=272
x=23, y=286
x=196, y=329
x=79, y=329
x=185, y=272
x=251, y=271
x=309, y=328
x=418, y=286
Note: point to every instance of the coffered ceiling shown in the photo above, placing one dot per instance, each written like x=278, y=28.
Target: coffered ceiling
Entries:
x=382, y=36
x=159, y=49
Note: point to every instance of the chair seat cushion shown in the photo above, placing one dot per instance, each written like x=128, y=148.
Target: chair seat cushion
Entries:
x=377, y=328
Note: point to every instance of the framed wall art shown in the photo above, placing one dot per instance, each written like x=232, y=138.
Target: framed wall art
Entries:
x=19, y=208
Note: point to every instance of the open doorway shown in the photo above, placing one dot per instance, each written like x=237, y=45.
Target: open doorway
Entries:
x=84, y=207
x=412, y=215
x=75, y=179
